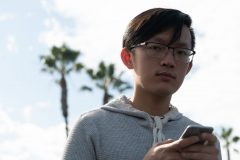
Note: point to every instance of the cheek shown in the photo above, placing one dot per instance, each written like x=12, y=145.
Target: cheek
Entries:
x=141, y=65
x=182, y=74
x=143, y=71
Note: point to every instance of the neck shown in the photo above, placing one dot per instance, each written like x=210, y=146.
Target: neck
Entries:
x=152, y=104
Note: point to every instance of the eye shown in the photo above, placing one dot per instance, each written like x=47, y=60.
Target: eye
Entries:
x=156, y=47
x=182, y=52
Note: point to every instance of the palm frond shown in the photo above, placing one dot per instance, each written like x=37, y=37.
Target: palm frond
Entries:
x=86, y=88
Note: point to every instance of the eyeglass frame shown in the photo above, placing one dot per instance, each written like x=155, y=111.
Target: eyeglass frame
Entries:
x=192, y=52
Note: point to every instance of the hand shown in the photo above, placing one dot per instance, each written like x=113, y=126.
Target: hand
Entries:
x=206, y=151
x=170, y=149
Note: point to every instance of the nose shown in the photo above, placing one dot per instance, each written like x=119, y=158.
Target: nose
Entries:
x=168, y=59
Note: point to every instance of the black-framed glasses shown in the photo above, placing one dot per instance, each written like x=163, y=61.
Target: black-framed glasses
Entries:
x=158, y=50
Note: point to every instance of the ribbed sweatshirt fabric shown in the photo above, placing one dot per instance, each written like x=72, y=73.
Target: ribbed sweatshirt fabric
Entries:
x=118, y=131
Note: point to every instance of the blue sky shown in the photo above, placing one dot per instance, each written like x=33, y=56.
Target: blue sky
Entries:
x=31, y=122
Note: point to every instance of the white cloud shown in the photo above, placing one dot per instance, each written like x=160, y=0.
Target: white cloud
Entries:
x=6, y=17
x=43, y=105
x=27, y=111
x=56, y=35
x=6, y=123
x=46, y=6
x=30, y=111
x=11, y=44
x=26, y=141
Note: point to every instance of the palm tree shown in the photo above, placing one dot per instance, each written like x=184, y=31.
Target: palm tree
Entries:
x=105, y=80
x=62, y=60
x=228, y=139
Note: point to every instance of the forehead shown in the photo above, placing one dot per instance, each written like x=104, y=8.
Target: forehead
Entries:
x=166, y=36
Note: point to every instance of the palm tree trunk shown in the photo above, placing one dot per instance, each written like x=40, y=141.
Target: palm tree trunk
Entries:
x=228, y=153
x=64, y=105
x=105, y=97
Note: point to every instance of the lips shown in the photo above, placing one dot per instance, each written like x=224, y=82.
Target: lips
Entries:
x=166, y=75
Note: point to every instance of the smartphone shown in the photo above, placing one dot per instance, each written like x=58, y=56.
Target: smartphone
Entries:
x=196, y=130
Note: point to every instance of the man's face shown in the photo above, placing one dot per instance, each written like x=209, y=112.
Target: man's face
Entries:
x=163, y=76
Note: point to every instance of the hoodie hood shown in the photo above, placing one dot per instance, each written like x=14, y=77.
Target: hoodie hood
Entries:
x=123, y=105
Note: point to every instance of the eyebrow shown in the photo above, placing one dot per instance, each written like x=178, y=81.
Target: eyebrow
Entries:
x=181, y=44
x=160, y=40
x=157, y=39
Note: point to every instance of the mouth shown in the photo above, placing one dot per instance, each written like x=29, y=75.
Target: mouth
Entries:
x=166, y=75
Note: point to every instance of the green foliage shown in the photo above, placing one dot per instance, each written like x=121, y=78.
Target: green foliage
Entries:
x=64, y=54
x=119, y=84
x=105, y=79
x=226, y=136
x=90, y=73
x=86, y=88
x=78, y=66
x=226, y=133
x=236, y=139
x=61, y=60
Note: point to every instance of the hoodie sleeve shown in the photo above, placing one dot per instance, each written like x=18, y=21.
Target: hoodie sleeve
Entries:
x=80, y=143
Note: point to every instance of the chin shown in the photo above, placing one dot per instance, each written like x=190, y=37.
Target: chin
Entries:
x=163, y=92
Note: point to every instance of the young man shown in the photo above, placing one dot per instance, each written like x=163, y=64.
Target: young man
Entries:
x=158, y=46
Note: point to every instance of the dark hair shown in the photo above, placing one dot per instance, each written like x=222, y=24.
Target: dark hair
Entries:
x=156, y=20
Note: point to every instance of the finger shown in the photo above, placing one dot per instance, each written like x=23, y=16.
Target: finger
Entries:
x=168, y=141
x=199, y=156
x=201, y=149
x=182, y=143
x=165, y=142
x=209, y=139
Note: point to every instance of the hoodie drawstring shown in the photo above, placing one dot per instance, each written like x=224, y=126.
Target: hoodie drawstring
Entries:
x=159, y=121
x=158, y=136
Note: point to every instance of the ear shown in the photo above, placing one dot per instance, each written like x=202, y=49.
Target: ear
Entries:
x=126, y=58
x=189, y=67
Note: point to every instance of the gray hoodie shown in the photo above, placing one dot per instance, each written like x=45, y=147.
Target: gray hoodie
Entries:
x=117, y=131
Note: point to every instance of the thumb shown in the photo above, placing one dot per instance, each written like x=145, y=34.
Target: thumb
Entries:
x=182, y=143
x=165, y=142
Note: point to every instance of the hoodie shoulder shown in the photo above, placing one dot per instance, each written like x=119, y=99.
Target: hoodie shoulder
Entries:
x=93, y=114
x=118, y=105
x=123, y=106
